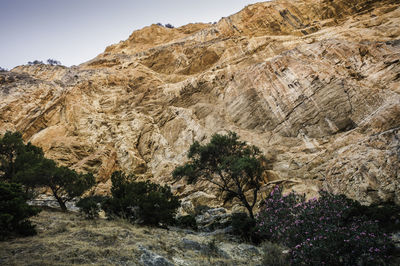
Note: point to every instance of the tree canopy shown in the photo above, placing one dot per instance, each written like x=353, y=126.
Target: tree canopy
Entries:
x=11, y=146
x=14, y=211
x=231, y=165
x=27, y=165
x=146, y=202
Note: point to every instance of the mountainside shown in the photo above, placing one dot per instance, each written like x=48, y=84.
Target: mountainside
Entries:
x=314, y=83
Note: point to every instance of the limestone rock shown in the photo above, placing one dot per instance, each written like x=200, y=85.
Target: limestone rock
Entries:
x=315, y=84
x=149, y=258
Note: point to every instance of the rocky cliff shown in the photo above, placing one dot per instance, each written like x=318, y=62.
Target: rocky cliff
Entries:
x=314, y=83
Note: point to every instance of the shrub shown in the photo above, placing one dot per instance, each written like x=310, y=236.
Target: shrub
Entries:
x=14, y=211
x=360, y=242
x=187, y=221
x=244, y=226
x=53, y=62
x=3, y=69
x=49, y=61
x=90, y=206
x=277, y=216
x=387, y=214
x=36, y=62
x=322, y=231
x=142, y=202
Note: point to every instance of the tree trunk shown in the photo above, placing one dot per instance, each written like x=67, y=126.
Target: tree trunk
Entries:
x=249, y=209
x=62, y=204
x=60, y=201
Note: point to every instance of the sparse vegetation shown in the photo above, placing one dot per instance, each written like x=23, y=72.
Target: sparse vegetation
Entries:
x=3, y=69
x=35, y=62
x=330, y=230
x=69, y=239
x=49, y=61
x=140, y=202
x=234, y=167
x=168, y=25
x=53, y=62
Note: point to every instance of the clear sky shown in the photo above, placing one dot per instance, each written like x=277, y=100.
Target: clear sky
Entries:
x=74, y=31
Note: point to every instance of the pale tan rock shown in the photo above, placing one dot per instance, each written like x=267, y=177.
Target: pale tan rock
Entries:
x=315, y=84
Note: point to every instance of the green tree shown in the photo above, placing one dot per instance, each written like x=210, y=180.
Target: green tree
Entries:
x=64, y=183
x=147, y=202
x=26, y=164
x=16, y=157
x=234, y=167
x=11, y=144
x=14, y=211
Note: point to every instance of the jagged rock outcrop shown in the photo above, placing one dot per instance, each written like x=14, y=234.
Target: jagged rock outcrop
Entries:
x=315, y=84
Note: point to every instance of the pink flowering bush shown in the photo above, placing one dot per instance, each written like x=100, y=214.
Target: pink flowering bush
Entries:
x=323, y=231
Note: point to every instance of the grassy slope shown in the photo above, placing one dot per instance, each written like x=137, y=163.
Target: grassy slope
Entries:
x=66, y=238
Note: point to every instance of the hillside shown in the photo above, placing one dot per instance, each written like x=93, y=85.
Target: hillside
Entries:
x=68, y=239
x=314, y=83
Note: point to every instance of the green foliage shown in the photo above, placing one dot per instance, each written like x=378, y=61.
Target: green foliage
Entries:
x=14, y=211
x=187, y=221
x=244, y=227
x=26, y=164
x=67, y=184
x=64, y=183
x=387, y=214
x=325, y=231
x=90, y=206
x=30, y=165
x=19, y=163
x=11, y=144
x=145, y=202
x=231, y=165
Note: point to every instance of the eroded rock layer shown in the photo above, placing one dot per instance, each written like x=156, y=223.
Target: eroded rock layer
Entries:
x=315, y=84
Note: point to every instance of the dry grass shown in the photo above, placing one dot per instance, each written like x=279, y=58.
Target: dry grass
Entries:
x=66, y=238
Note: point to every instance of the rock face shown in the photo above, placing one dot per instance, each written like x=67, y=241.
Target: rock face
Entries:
x=315, y=84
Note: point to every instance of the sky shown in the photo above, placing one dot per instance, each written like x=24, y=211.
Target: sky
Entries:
x=75, y=31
